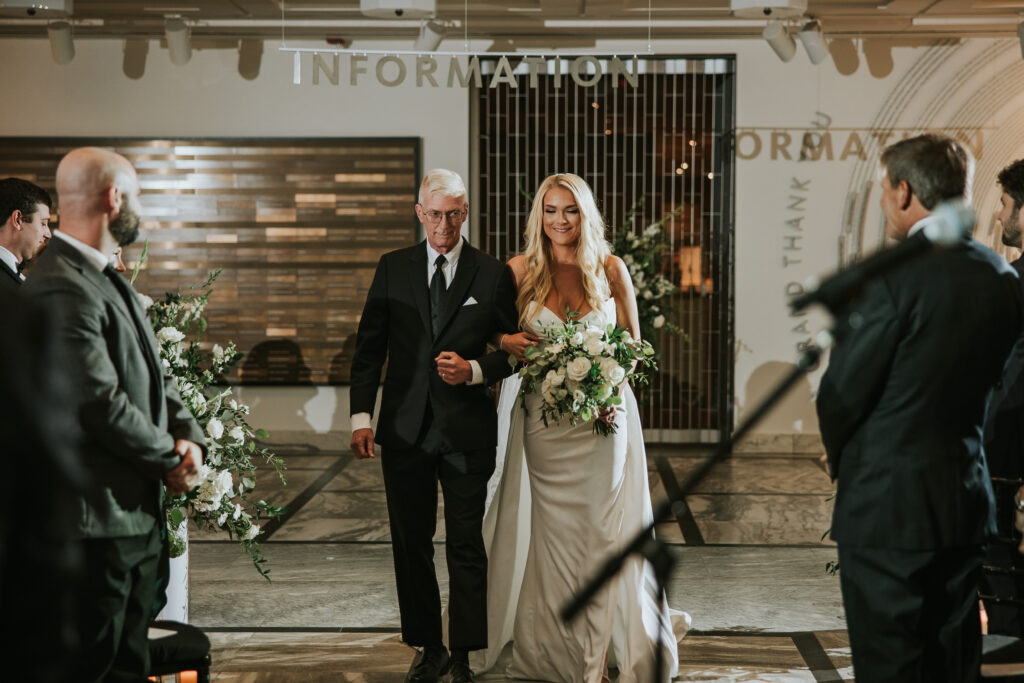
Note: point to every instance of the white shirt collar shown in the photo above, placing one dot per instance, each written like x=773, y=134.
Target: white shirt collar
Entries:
x=452, y=256
x=94, y=256
x=10, y=259
x=920, y=225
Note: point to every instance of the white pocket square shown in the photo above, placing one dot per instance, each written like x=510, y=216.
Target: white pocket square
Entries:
x=470, y=302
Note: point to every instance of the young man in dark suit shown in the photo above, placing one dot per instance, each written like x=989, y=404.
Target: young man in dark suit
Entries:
x=901, y=409
x=1004, y=432
x=25, y=230
x=431, y=307
x=137, y=436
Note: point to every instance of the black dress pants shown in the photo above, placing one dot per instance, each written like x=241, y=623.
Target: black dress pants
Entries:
x=912, y=615
x=410, y=479
x=116, y=606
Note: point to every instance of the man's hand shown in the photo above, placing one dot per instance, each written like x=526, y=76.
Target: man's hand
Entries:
x=183, y=477
x=362, y=443
x=453, y=369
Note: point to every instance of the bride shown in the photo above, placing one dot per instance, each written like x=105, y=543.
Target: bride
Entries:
x=551, y=524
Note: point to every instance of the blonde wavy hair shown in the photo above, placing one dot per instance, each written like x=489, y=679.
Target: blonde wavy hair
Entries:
x=592, y=249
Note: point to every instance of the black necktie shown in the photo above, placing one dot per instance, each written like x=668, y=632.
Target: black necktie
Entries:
x=438, y=292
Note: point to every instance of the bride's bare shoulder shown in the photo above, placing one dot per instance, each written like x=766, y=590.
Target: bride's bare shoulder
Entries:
x=518, y=265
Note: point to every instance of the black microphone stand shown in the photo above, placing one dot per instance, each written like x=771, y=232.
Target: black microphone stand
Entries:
x=656, y=551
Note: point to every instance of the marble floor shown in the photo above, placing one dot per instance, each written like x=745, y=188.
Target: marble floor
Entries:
x=750, y=572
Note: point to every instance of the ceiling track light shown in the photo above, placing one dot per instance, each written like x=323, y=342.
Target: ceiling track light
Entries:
x=814, y=41
x=134, y=62
x=431, y=35
x=250, y=54
x=777, y=36
x=179, y=41
x=62, y=45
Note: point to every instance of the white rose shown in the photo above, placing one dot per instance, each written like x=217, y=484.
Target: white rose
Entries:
x=215, y=428
x=659, y=321
x=237, y=434
x=554, y=379
x=218, y=353
x=594, y=347
x=613, y=372
x=648, y=294
x=169, y=334
x=253, y=532
x=578, y=368
x=146, y=302
x=576, y=339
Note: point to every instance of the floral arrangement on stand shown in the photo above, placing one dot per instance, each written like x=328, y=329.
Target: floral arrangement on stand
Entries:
x=644, y=256
x=578, y=367
x=222, y=497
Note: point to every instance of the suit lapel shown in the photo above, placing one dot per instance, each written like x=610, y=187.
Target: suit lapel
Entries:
x=464, y=274
x=418, y=282
x=10, y=273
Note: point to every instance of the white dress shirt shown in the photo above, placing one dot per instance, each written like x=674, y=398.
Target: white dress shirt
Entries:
x=11, y=261
x=93, y=256
x=363, y=420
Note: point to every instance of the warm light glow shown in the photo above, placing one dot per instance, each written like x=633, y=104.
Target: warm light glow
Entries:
x=689, y=266
x=685, y=166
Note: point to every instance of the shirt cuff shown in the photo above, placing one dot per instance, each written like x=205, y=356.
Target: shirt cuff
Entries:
x=478, y=374
x=361, y=421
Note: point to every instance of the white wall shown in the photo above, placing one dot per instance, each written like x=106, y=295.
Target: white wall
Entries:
x=975, y=84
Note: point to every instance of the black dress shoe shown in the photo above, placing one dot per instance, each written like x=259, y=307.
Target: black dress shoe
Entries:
x=461, y=673
x=430, y=664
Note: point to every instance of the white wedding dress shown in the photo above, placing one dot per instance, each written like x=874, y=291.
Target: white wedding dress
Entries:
x=562, y=500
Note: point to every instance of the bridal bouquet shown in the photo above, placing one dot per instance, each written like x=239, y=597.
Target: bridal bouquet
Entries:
x=578, y=368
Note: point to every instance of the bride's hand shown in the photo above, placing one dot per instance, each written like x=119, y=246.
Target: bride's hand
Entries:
x=607, y=414
x=516, y=344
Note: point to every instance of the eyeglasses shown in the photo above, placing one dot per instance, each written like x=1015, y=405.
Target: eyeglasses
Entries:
x=455, y=216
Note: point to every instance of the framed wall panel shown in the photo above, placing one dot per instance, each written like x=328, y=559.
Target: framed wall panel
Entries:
x=297, y=226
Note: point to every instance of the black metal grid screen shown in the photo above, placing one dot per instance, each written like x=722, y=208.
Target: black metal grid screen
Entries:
x=666, y=143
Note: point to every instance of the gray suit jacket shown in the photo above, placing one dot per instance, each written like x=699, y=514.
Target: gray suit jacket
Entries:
x=130, y=411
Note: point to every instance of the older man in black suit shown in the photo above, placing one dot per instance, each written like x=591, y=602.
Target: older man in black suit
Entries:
x=901, y=409
x=25, y=228
x=137, y=434
x=431, y=307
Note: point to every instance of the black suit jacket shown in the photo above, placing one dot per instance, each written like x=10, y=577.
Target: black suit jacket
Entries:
x=130, y=411
x=9, y=280
x=395, y=326
x=902, y=404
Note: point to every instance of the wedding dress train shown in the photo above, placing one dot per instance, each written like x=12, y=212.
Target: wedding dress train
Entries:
x=562, y=500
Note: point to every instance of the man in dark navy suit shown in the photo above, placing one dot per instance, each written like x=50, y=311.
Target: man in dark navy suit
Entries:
x=1004, y=431
x=901, y=409
x=430, y=312
x=25, y=212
